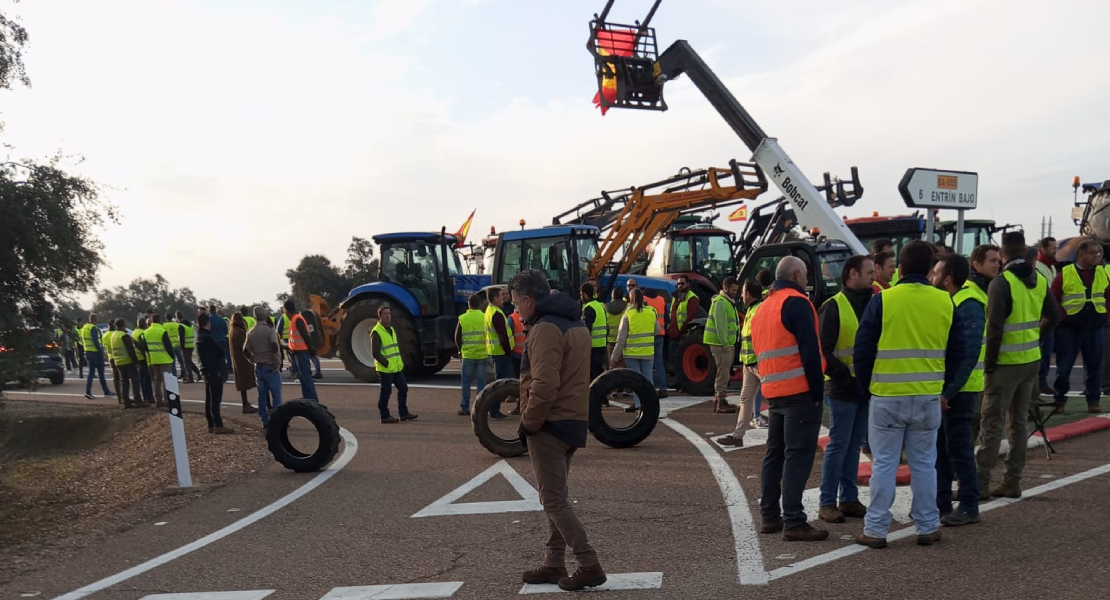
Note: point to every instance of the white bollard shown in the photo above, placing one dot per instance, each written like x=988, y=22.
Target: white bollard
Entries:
x=177, y=429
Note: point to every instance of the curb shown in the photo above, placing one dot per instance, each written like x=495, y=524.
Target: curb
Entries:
x=1058, y=433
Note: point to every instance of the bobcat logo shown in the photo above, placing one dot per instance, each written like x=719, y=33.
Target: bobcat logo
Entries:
x=778, y=170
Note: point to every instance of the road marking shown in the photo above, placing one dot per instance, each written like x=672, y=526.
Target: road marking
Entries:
x=614, y=582
x=529, y=497
x=403, y=591
x=903, y=502
x=749, y=558
x=242, y=595
x=349, y=450
x=997, y=503
x=753, y=438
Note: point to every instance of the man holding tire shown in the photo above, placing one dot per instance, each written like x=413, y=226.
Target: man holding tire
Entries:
x=554, y=400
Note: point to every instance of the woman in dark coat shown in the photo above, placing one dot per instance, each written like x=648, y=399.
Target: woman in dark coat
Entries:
x=244, y=369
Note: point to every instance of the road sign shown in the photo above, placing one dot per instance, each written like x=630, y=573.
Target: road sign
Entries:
x=932, y=188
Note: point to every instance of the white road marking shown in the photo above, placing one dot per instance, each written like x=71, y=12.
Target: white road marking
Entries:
x=242, y=595
x=903, y=501
x=349, y=450
x=529, y=497
x=403, y=591
x=614, y=581
x=749, y=558
x=997, y=503
x=753, y=438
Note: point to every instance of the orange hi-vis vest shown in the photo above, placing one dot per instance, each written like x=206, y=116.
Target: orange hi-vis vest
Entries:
x=518, y=333
x=296, y=342
x=776, y=349
x=659, y=306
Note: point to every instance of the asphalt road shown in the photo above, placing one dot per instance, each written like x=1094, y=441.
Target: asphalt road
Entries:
x=675, y=511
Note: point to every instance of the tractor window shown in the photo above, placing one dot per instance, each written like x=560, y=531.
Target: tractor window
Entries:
x=412, y=265
x=832, y=265
x=682, y=256
x=714, y=255
x=549, y=254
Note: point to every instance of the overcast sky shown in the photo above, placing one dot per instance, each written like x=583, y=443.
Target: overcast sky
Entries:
x=250, y=133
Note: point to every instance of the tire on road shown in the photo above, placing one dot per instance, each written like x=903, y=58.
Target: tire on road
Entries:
x=57, y=378
x=497, y=391
x=694, y=366
x=277, y=436
x=647, y=418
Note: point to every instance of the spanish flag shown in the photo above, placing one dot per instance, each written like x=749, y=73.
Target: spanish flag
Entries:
x=460, y=235
x=740, y=214
x=616, y=42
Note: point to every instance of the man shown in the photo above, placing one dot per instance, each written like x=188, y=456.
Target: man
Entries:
x=220, y=330
x=593, y=314
x=262, y=349
x=752, y=296
x=213, y=368
x=955, y=448
x=1082, y=289
x=94, y=356
x=300, y=348
x=283, y=333
x=188, y=343
x=519, y=334
x=884, y=271
x=470, y=337
x=108, y=340
x=1017, y=302
x=881, y=245
x=684, y=308
x=791, y=371
x=1046, y=258
x=158, y=348
x=554, y=397
x=722, y=332
x=837, y=323
x=655, y=301
x=126, y=360
x=614, y=310
x=79, y=347
x=905, y=337
x=387, y=361
x=1046, y=266
x=144, y=369
x=247, y=316
x=499, y=344
x=595, y=285
x=173, y=329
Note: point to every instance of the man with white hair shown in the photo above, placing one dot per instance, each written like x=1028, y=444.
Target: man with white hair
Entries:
x=792, y=377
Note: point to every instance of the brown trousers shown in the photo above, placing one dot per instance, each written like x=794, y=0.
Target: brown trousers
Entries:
x=128, y=381
x=158, y=382
x=1005, y=402
x=747, y=401
x=722, y=355
x=551, y=464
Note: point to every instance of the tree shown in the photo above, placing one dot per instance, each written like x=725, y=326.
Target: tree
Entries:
x=142, y=295
x=316, y=275
x=361, y=266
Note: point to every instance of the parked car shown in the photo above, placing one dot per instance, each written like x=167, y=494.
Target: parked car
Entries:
x=48, y=358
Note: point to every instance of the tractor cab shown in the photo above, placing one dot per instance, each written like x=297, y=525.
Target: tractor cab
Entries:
x=701, y=252
x=424, y=264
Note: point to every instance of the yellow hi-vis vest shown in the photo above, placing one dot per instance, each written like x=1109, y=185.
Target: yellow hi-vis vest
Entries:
x=157, y=353
x=641, y=332
x=599, y=329
x=119, y=349
x=284, y=326
x=473, y=326
x=910, y=357
x=1021, y=334
x=680, y=313
x=613, y=324
x=747, y=350
x=972, y=291
x=846, y=338
x=493, y=341
x=87, y=337
x=190, y=341
x=1076, y=294
x=137, y=334
x=107, y=339
x=718, y=333
x=172, y=328
x=390, y=350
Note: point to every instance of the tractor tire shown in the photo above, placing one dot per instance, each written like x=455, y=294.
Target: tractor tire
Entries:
x=354, y=340
x=694, y=365
x=641, y=428
x=57, y=378
x=277, y=436
x=479, y=416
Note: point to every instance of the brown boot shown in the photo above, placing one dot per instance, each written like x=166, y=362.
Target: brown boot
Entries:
x=723, y=407
x=769, y=527
x=805, y=533
x=731, y=441
x=853, y=510
x=550, y=575
x=1006, y=491
x=830, y=514
x=1094, y=409
x=583, y=578
x=928, y=539
x=871, y=542
x=248, y=409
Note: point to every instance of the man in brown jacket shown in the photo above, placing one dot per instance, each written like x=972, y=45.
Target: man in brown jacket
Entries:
x=554, y=405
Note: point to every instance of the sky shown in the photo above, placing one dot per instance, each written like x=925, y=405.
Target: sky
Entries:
x=250, y=133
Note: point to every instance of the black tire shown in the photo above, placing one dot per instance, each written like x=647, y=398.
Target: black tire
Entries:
x=694, y=366
x=277, y=436
x=57, y=378
x=354, y=344
x=646, y=420
x=479, y=416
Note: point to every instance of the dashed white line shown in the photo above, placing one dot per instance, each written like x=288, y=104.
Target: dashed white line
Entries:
x=240, y=595
x=404, y=591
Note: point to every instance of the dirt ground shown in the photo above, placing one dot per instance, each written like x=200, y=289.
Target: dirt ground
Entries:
x=70, y=474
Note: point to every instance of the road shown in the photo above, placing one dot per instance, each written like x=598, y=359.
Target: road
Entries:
x=673, y=516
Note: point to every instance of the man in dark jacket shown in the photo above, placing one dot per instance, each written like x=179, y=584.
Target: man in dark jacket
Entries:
x=837, y=322
x=214, y=369
x=1082, y=289
x=554, y=405
x=127, y=362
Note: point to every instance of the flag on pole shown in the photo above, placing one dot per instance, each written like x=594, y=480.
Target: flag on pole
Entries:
x=740, y=214
x=617, y=42
x=460, y=235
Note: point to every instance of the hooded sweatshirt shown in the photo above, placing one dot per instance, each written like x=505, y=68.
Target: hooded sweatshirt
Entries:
x=1000, y=304
x=555, y=371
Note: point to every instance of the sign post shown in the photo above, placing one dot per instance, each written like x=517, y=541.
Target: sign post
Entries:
x=177, y=430
x=934, y=188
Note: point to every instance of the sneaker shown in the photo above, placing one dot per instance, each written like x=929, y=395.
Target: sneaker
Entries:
x=317, y=375
x=853, y=509
x=830, y=514
x=542, y=575
x=731, y=440
x=661, y=393
x=1006, y=491
x=632, y=409
x=464, y=412
x=498, y=416
x=946, y=509
x=390, y=420
x=769, y=527
x=958, y=518
x=583, y=577
x=761, y=422
x=90, y=397
x=248, y=409
x=109, y=395
x=928, y=539
x=223, y=431
x=871, y=542
x=1094, y=409
x=804, y=533
x=409, y=417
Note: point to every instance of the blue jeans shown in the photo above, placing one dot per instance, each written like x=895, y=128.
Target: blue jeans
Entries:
x=96, y=365
x=758, y=402
x=641, y=366
x=144, y=378
x=1070, y=343
x=316, y=364
x=792, y=434
x=227, y=355
x=956, y=454
x=660, y=369
x=840, y=469
x=911, y=421
x=269, y=391
x=302, y=362
x=389, y=381
x=503, y=369
x=1048, y=346
x=472, y=368
x=175, y=354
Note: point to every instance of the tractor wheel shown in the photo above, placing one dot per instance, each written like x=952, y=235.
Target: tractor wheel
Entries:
x=354, y=340
x=641, y=427
x=694, y=365
x=277, y=436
